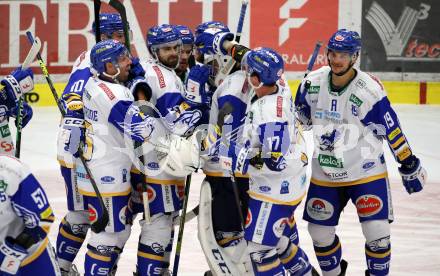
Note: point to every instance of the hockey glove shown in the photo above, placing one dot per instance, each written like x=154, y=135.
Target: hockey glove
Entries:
x=11, y=256
x=16, y=84
x=413, y=175
x=140, y=89
x=234, y=157
x=72, y=133
x=136, y=69
x=26, y=113
x=211, y=41
x=195, y=91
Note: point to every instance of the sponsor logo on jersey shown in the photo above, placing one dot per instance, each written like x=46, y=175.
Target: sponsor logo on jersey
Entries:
x=180, y=191
x=248, y=218
x=7, y=147
x=368, y=205
x=160, y=77
x=337, y=175
x=153, y=165
x=124, y=175
x=279, y=106
x=284, y=187
x=354, y=99
x=264, y=189
x=404, y=153
x=107, y=179
x=303, y=180
x=107, y=91
x=278, y=226
x=319, y=209
x=4, y=131
x=314, y=89
x=93, y=215
x=368, y=165
x=330, y=161
x=329, y=115
x=394, y=133
x=361, y=83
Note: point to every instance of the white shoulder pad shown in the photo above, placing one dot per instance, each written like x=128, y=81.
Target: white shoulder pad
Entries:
x=12, y=172
x=234, y=84
x=319, y=73
x=370, y=86
x=161, y=80
x=113, y=92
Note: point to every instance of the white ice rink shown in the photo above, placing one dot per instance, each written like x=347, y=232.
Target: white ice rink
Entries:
x=415, y=231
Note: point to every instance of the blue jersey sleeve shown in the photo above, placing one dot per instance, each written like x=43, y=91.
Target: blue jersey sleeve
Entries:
x=72, y=94
x=129, y=120
x=31, y=204
x=384, y=123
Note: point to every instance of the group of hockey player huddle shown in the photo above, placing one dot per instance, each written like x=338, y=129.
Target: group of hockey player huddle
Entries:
x=144, y=126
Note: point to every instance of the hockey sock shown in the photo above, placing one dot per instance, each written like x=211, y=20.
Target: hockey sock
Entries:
x=150, y=260
x=97, y=263
x=378, y=255
x=69, y=242
x=295, y=260
x=329, y=257
x=265, y=260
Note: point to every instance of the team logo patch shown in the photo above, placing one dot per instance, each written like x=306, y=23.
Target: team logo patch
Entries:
x=339, y=38
x=368, y=205
x=284, y=187
x=180, y=191
x=151, y=194
x=278, y=227
x=248, y=218
x=319, y=209
x=93, y=214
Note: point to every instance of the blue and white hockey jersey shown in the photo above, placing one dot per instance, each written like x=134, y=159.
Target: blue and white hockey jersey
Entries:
x=348, y=128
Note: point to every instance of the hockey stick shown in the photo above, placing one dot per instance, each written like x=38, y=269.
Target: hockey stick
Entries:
x=313, y=58
x=119, y=7
x=35, y=48
x=231, y=63
x=102, y=221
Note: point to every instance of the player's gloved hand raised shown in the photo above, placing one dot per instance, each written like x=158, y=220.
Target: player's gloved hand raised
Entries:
x=26, y=113
x=413, y=175
x=19, y=82
x=11, y=256
x=195, y=91
x=136, y=69
x=234, y=157
x=140, y=89
x=72, y=132
x=211, y=41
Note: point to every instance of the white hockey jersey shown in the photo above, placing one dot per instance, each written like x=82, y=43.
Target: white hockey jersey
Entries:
x=23, y=205
x=112, y=123
x=280, y=174
x=348, y=129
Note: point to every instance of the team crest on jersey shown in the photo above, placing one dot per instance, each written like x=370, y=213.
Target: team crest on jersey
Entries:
x=319, y=209
x=368, y=205
x=327, y=141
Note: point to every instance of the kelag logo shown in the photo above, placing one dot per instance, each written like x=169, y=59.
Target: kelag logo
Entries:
x=295, y=27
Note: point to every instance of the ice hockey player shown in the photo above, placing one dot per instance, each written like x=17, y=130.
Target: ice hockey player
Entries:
x=350, y=116
x=74, y=226
x=12, y=87
x=275, y=150
x=26, y=217
x=186, y=52
x=164, y=183
x=225, y=226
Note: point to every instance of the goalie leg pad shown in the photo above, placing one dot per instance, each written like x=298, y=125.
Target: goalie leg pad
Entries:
x=72, y=232
x=377, y=246
x=154, y=240
x=232, y=260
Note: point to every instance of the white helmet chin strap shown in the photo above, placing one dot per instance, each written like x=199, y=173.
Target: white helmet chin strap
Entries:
x=113, y=77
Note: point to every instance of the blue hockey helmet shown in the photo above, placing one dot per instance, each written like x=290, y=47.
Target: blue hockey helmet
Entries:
x=161, y=35
x=186, y=35
x=109, y=23
x=345, y=41
x=210, y=24
x=266, y=63
x=107, y=51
